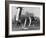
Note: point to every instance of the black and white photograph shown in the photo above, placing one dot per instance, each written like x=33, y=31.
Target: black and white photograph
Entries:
x=25, y=19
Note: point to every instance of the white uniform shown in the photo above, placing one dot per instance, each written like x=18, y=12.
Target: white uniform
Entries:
x=17, y=15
